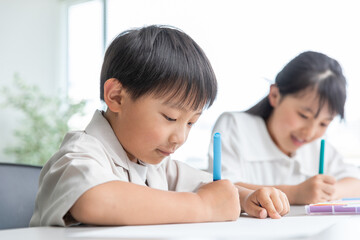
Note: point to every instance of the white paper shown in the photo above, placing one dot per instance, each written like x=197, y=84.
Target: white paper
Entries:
x=295, y=227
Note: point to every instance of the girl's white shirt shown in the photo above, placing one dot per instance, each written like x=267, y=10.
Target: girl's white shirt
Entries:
x=249, y=155
x=95, y=156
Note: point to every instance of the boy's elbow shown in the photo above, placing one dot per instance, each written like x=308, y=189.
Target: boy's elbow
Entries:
x=94, y=207
x=85, y=211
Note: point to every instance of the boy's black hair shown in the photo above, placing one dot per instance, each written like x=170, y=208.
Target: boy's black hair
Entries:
x=162, y=61
x=309, y=70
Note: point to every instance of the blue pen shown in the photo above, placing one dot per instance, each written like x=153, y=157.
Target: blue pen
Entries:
x=322, y=149
x=217, y=157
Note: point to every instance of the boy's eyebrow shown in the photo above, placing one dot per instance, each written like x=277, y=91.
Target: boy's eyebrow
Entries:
x=307, y=109
x=179, y=107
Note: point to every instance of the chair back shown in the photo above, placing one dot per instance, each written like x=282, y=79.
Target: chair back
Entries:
x=18, y=188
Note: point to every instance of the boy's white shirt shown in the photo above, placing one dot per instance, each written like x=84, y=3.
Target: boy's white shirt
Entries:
x=249, y=155
x=95, y=156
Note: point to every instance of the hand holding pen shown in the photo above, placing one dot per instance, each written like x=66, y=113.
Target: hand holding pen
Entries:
x=260, y=203
x=319, y=188
x=220, y=198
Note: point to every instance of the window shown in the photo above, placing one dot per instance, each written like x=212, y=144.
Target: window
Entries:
x=85, y=53
x=247, y=42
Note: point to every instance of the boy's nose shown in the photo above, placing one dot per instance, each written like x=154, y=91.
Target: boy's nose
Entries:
x=178, y=136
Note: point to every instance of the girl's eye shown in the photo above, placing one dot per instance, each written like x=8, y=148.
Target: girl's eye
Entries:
x=303, y=116
x=169, y=118
x=190, y=124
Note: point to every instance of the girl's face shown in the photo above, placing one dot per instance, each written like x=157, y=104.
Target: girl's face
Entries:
x=294, y=120
x=150, y=129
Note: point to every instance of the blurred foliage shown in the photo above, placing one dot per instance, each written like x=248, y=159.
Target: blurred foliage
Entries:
x=44, y=125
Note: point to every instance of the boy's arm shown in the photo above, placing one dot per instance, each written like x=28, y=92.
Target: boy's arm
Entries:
x=124, y=203
x=289, y=190
x=263, y=202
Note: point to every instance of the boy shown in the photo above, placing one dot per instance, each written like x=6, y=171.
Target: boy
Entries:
x=156, y=81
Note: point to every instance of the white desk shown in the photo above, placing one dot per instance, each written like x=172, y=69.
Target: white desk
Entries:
x=296, y=225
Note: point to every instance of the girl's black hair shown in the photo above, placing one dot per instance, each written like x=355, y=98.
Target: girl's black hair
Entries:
x=309, y=70
x=162, y=61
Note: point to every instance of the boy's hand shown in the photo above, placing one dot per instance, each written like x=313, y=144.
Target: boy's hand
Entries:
x=264, y=202
x=220, y=200
x=319, y=188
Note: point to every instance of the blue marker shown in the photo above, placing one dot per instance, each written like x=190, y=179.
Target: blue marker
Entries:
x=322, y=149
x=351, y=199
x=217, y=157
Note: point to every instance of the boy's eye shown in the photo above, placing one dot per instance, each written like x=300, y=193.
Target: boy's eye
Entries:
x=190, y=123
x=169, y=118
x=323, y=124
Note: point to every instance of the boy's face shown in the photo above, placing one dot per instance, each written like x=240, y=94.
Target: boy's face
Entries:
x=294, y=122
x=151, y=129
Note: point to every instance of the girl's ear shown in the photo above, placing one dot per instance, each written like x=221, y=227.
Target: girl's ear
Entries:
x=274, y=95
x=114, y=94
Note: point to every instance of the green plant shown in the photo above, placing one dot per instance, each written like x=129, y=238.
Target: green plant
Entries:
x=44, y=125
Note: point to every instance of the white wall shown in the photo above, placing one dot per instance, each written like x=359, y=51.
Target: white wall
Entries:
x=262, y=39
x=30, y=46
x=249, y=41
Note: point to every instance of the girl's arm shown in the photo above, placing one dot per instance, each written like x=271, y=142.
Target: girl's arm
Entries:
x=347, y=187
x=319, y=188
x=124, y=203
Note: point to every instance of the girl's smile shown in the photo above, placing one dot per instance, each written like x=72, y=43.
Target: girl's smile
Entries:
x=297, y=142
x=296, y=119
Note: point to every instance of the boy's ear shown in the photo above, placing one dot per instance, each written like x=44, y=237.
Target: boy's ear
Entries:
x=274, y=95
x=114, y=94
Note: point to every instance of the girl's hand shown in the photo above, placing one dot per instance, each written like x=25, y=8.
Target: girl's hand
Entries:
x=319, y=188
x=264, y=202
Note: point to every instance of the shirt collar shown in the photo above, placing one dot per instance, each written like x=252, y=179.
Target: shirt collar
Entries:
x=267, y=149
x=140, y=169
x=100, y=128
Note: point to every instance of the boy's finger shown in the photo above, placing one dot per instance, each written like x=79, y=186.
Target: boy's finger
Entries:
x=288, y=203
x=268, y=205
x=263, y=213
x=285, y=202
x=257, y=211
x=277, y=202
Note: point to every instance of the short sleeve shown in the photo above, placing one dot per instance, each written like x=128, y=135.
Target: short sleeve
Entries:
x=183, y=178
x=78, y=166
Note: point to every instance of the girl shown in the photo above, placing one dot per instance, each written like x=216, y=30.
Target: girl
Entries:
x=275, y=143
x=155, y=81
